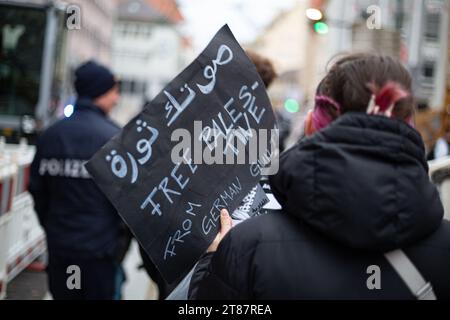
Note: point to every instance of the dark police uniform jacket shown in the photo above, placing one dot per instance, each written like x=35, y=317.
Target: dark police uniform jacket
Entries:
x=78, y=219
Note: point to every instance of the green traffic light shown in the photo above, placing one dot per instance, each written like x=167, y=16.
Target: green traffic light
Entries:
x=292, y=106
x=321, y=27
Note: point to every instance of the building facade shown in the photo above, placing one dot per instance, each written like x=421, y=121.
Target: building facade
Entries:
x=93, y=39
x=415, y=31
x=298, y=54
x=147, y=52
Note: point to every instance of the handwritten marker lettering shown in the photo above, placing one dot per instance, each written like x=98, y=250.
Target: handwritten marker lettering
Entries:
x=232, y=112
x=265, y=158
x=210, y=220
x=173, y=104
x=119, y=166
x=144, y=146
x=189, y=161
x=134, y=168
x=191, y=208
x=250, y=102
x=166, y=191
x=178, y=182
x=180, y=234
x=178, y=237
x=216, y=110
x=211, y=71
x=149, y=201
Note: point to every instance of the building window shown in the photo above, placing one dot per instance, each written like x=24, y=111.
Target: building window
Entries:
x=432, y=26
x=129, y=86
x=428, y=70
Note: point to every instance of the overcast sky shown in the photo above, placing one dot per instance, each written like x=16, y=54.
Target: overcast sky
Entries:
x=246, y=18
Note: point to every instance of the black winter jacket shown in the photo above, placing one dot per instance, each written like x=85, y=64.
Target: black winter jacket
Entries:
x=350, y=193
x=78, y=219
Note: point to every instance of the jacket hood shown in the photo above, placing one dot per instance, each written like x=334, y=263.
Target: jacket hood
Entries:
x=363, y=182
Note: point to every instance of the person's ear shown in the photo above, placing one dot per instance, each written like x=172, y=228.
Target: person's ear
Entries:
x=309, y=125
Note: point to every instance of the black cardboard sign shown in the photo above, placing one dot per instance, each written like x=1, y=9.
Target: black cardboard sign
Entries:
x=173, y=208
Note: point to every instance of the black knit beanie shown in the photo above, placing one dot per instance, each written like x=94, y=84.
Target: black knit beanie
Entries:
x=92, y=80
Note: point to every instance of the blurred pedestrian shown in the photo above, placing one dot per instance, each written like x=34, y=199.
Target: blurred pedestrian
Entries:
x=356, y=197
x=82, y=227
x=442, y=147
x=264, y=66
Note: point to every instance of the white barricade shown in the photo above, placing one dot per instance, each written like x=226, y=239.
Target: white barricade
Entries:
x=22, y=239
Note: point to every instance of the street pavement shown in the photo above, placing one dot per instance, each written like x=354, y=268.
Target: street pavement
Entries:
x=32, y=284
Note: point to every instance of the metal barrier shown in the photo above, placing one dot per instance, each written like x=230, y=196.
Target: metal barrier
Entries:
x=22, y=239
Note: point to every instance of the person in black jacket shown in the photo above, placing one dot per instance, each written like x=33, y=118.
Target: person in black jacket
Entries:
x=82, y=227
x=356, y=188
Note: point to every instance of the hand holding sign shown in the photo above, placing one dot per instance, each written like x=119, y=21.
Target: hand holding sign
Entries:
x=173, y=204
x=226, y=223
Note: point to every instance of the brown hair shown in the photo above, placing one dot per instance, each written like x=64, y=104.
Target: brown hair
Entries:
x=264, y=67
x=352, y=78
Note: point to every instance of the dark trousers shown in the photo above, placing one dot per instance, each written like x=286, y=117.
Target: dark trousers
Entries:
x=97, y=278
x=163, y=288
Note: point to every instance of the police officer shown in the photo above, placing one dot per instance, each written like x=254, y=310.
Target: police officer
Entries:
x=82, y=227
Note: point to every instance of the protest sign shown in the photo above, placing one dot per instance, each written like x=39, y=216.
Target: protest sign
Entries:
x=158, y=171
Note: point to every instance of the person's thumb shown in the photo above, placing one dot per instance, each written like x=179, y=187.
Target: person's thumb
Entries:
x=226, y=222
